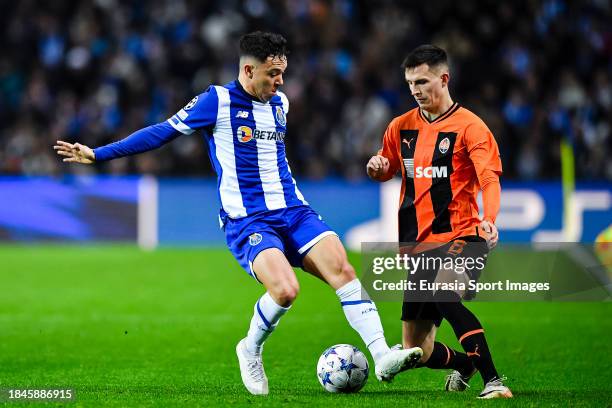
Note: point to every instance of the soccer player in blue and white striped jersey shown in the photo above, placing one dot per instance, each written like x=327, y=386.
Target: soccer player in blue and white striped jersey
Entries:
x=268, y=224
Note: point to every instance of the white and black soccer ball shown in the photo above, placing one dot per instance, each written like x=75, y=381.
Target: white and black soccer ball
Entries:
x=342, y=368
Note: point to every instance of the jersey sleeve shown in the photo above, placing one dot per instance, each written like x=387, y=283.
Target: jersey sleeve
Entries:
x=199, y=113
x=491, y=199
x=285, y=101
x=484, y=154
x=140, y=141
x=390, y=150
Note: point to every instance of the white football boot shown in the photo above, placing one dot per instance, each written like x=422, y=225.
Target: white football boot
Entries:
x=252, y=370
x=495, y=389
x=396, y=361
x=455, y=381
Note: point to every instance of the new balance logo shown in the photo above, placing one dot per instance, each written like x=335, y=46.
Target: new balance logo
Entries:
x=242, y=114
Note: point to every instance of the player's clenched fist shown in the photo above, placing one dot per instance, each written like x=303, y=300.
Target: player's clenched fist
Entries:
x=377, y=166
x=492, y=235
x=75, y=152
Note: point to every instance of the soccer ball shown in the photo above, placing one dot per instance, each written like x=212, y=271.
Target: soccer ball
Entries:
x=342, y=368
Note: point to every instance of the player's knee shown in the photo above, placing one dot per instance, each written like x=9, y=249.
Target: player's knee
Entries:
x=342, y=268
x=343, y=273
x=347, y=271
x=287, y=293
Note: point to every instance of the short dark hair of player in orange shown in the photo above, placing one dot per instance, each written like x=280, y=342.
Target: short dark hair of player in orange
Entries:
x=425, y=54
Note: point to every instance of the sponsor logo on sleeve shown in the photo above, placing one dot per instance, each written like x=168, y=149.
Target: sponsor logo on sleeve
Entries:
x=191, y=103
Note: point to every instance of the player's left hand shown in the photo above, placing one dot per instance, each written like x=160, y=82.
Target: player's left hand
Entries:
x=75, y=152
x=492, y=235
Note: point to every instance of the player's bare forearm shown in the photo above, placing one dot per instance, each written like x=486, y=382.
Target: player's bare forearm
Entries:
x=75, y=152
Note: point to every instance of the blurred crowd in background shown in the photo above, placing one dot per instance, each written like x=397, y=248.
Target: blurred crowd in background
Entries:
x=94, y=71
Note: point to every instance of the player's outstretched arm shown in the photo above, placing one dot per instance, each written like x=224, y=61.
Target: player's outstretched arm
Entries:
x=75, y=152
x=199, y=113
x=377, y=168
x=143, y=140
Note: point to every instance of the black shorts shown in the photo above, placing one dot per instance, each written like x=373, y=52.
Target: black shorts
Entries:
x=423, y=305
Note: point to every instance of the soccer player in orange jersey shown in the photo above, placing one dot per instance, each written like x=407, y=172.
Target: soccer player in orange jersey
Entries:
x=446, y=154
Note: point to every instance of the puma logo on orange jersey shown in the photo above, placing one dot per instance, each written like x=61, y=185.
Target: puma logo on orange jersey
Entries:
x=408, y=142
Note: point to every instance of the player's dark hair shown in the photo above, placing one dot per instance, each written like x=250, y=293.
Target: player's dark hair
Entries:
x=425, y=54
x=262, y=45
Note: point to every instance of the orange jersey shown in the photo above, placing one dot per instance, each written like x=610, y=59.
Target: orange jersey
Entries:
x=443, y=164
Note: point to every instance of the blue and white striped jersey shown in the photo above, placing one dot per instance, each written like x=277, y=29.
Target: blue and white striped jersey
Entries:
x=246, y=147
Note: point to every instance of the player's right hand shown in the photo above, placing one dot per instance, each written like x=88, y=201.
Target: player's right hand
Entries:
x=377, y=167
x=75, y=152
x=492, y=236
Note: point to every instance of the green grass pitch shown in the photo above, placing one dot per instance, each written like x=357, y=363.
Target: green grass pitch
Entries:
x=130, y=328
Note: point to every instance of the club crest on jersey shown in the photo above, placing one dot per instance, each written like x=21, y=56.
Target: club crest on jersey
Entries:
x=444, y=145
x=255, y=239
x=244, y=133
x=191, y=103
x=280, y=116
